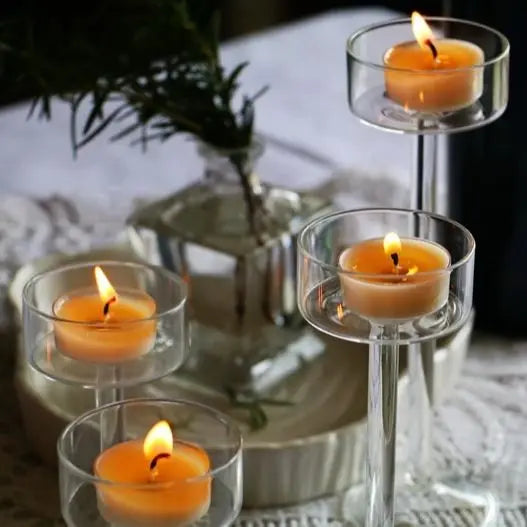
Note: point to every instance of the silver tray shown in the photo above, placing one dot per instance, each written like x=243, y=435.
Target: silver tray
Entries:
x=309, y=449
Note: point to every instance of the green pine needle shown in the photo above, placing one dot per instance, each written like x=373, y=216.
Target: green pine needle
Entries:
x=254, y=405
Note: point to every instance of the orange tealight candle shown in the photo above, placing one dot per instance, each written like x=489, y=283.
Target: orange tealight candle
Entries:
x=394, y=280
x=103, y=326
x=433, y=76
x=153, y=483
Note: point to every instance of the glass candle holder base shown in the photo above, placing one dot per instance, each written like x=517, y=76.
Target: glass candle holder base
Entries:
x=446, y=503
x=374, y=108
x=84, y=510
x=331, y=316
x=449, y=500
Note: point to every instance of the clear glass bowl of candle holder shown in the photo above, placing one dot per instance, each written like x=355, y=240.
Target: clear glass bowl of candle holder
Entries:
x=321, y=297
x=385, y=309
x=207, y=493
x=143, y=336
x=441, y=99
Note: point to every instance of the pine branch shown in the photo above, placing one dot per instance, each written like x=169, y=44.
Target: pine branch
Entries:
x=254, y=405
x=158, y=58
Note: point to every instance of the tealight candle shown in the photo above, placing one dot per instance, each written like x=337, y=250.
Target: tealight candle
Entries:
x=102, y=326
x=433, y=76
x=394, y=279
x=153, y=483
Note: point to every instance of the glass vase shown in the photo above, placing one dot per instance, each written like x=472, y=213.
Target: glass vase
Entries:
x=233, y=239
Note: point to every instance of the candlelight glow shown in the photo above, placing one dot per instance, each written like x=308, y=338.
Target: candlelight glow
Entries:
x=158, y=441
x=412, y=270
x=422, y=32
x=392, y=244
x=105, y=288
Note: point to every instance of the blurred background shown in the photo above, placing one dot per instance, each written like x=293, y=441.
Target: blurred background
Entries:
x=244, y=16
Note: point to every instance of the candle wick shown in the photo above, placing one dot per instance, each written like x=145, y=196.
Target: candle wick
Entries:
x=106, y=308
x=395, y=259
x=433, y=49
x=154, y=461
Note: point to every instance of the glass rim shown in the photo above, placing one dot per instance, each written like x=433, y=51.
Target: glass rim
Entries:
x=211, y=473
x=398, y=21
x=337, y=269
x=51, y=316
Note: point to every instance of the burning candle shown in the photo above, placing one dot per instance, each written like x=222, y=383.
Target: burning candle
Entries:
x=153, y=483
x=433, y=75
x=395, y=279
x=101, y=326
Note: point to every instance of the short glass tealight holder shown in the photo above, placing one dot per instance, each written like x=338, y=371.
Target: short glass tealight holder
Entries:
x=364, y=276
x=177, y=464
x=105, y=325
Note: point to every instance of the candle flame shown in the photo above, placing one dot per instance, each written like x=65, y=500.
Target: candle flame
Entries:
x=159, y=441
x=105, y=288
x=340, y=312
x=422, y=32
x=392, y=244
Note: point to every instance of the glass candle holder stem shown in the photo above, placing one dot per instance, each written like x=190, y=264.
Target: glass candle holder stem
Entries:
x=421, y=355
x=382, y=416
x=421, y=393
x=108, y=391
x=425, y=172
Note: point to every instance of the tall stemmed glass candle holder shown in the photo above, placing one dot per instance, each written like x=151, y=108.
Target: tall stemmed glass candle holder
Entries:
x=364, y=276
x=105, y=326
x=178, y=464
x=426, y=77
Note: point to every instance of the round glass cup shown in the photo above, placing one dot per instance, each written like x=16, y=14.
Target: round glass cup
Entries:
x=213, y=497
x=151, y=340
x=420, y=101
x=321, y=293
x=384, y=311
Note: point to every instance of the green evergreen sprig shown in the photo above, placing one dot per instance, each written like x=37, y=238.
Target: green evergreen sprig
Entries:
x=151, y=67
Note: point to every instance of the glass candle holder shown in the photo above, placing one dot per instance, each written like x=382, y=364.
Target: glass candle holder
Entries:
x=401, y=96
x=325, y=286
x=425, y=77
x=355, y=286
x=198, y=483
x=73, y=335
